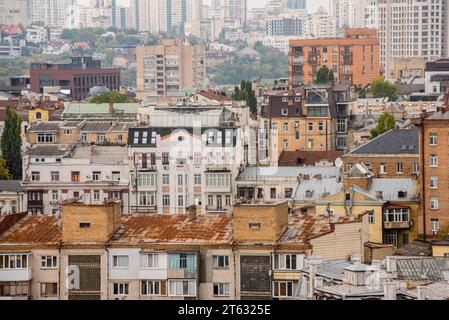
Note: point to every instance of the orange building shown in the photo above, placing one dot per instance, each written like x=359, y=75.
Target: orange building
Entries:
x=354, y=59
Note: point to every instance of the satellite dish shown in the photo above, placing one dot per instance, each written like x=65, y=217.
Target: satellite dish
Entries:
x=338, y=163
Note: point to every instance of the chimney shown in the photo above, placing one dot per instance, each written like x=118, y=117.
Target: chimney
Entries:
x=390, y=290
x=379, y=195
x=313, y=262
x=192, y=212
x=390, y=263
x=356, y=258
x=111, y=108
x=422, y=290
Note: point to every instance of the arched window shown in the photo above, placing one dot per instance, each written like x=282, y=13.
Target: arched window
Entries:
x=14, y=206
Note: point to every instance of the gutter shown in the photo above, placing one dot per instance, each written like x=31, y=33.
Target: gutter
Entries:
x=423, y=181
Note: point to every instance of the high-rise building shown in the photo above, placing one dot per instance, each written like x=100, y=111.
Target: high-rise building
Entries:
x=410, y=28
x=53, y=13
x=348, y=13
x=169, y=67
x=164, y=16
x=320, y=25
x=285, y=25
x=14, y=11
x=101, y=13
x=353, y=59
x=229, y=9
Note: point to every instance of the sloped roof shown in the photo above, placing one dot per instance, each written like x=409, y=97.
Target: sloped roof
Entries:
x=100, y=109
x=418, y=269
x=50, y=150
x=44, y=126
x=259, y=173
x=10, y=185
x=395, y=141
x=307, y=158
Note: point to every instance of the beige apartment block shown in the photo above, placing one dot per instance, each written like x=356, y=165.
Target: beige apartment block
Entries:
x=168, y=68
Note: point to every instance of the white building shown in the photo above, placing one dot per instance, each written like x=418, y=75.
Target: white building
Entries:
x=11, y=197
x=54, y=173
x=285, y=25
x=229, y=9
x=320, y=25
x=50, y=12
x=348, y=13
x=36, y=34
x=437, y=76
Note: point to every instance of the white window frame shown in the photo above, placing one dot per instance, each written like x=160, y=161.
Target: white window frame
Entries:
x=222, y=289
x=220, y=261
x=49, y=262
x=118, y=264
x=155, y=258
x=122, y=289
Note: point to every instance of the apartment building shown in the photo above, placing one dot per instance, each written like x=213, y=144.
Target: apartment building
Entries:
x=348, y=13
x=93, y=253
x=14, y=12
x=54, y=173
x=433, y=146
x=353, y=59
x=313, y=118
x=53, y=13
x=168, y=68
x=409, y=29
x=285, y=25
x=394, y=154
x=320, y=25
x=77, y=77
x=229, y=10
x=187, y=156
x=36, y=34
x=437, y=76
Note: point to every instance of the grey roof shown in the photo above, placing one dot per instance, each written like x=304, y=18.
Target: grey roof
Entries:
x=70, y=124
x=102, y=154
x=96, y=126
x=418, y=269
x=10, y=185
x=44, y=126
x=391, y=187
x=50, y=150
x=314, y=189
x=416, y=248
x=434, y=291
x=259, y=173
x=395, y=141
x=330, y=269
x=439, y=116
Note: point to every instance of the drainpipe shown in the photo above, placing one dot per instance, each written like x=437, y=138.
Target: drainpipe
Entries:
x=423, y=181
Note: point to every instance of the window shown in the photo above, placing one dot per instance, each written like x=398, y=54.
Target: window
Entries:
x=433, y=160
x=165, y=179
x=310, y=143
x=75, y=176
x=116, y=176
x=197, y=179
x=399, y=167
x=434, y=204
x=182, y=288
x=146, y=198
x=166, y=200
x=120, y=261
x=434, y=225
x=218, y=180
x=310, y=126
x=274, y=126
x=180, y=180
x=13, y=261
x=101, y=138
x=49, y=262
x=397, y=215
x=285, y=144
x=283, y=289
x=150, y=260
x=221, y=262
x=96, y=176
x=45, y=138
x=434, y=182
x=254, y=225
x=54, y=176
x=14, y=288
x=341, y=125
x=221, y=289
x=119, y=137
x=96, y=195
x=371, y=217
x=84, y=225
x=49, y=289
x=288, y=192
x=121, y=289
x=83, y=137
x=284, y=111
x=153, y=288
x=180, y=200
x=286, y=262
x=146, y=180
x=415, y=167
x=273, y=193
x=383, y=168
x=182, y=261
x=285, y=127
x=165, y=158
x=433, y=139
x=35, y=176
x=320, y=126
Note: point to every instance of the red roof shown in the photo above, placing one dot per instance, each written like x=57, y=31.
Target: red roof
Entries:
x=214, y=96
x=306, y=158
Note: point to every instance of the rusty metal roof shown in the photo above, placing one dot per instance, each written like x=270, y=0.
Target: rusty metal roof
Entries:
x=36, y=230
x=174, y=229
x=302, y=228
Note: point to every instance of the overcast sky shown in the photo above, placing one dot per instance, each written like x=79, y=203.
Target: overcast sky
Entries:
x=312, y=5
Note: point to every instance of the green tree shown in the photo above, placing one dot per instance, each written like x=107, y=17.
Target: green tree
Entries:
x=386, y=123
x=324, y=75
x=381, y=88
x=111, y=97
x=246, y=93
x=4, y=171
x=11, y=142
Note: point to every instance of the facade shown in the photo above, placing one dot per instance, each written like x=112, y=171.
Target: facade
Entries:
x=258, y=253
x=434, y=135
x=286, y=25
x=409, y=29
x=168, y=68
x=52, y=13
x=36, y=34
x=320, y=25
x=314, y=119
x=11, y=197
x=437, y=76
x=77, y=77
x=353, y=59
x=348, y=13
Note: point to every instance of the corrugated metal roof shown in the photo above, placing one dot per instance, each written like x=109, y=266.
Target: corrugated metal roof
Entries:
x=309, y=190
x=101, y=108
x=96, y=126
x=259, y=173
x=391, y=187
x=185, y=119
x=33, y=230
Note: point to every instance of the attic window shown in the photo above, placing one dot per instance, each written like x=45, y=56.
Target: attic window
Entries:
x=348, y=197
x=402, y=194
x=84, y=225
x=309, y=194
x=254, y=225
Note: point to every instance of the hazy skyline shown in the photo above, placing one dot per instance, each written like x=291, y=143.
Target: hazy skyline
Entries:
x=312, y=5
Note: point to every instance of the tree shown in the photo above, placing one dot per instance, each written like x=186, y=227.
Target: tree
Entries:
x=386, y=123
x=111, y=97
x=324, y=75
x=4, y=171
x=381, y=88
x=11, y=143
x=246, y=93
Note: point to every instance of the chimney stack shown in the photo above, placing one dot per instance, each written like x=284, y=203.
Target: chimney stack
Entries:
x=422, y=290
x=313, y=262
x=390, y=290
x=356, y=258
x=379, y=195
x=111, y=108
x=192, y=212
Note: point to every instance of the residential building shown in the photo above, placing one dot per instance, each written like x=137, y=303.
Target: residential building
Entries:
x=437, y=76
x=348, y=13
x=101, y=13
x=54, y=173
x=433, y=150
x=36, y=34
x=314, y=119
x=394, y=154
x=408, y=29
x=353, y=59
x=11, y=197
x=76, y=77
x=14, y=12
x=320, y=25
x=168, y=68
x=229, y=9
x=52, y=13
x=285, y=25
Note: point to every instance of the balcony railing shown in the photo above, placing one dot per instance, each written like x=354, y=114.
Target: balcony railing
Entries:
x=144, y=209
x=15, y=274
x=398, y=225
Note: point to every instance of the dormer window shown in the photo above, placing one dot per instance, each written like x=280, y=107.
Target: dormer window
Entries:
x=309, y=194
x=402, y=194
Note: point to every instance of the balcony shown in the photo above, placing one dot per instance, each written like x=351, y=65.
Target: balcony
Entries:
x=218, y=167
x=156, y=274
x=398, y=225
x=15, y=274
x=215, y=209
x=144, y=209
x=182, y=273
